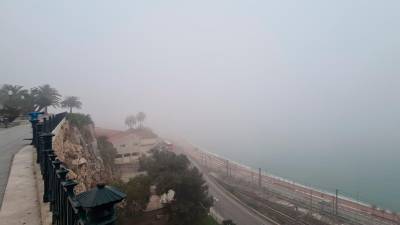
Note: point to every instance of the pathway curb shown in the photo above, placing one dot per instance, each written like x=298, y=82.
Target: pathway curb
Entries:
x=20, y=203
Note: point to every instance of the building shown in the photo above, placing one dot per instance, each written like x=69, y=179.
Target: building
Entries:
x=130, y=145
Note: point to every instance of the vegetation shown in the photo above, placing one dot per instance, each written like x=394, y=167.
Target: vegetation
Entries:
x=208, y=221
x=138, y=195
x=46, y=96
x=130, y=121
x=107, y=153
x=71, y=102
x=170, y=171
x=79, y=120
x=141, y=116
x=16, y=101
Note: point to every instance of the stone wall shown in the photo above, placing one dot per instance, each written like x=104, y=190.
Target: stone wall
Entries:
x=77, y=148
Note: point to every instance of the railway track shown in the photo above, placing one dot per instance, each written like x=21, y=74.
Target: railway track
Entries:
x=277, y=215
x=280, y=214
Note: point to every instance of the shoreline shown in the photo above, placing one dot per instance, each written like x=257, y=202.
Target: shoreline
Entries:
x=285, y=179
x=345, y=203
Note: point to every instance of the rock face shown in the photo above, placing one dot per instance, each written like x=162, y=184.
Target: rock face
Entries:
x=77, y=149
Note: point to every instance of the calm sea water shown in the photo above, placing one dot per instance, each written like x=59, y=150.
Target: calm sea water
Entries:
x=369, y=174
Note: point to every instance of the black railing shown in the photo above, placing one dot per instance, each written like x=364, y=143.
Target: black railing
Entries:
x=95, y=206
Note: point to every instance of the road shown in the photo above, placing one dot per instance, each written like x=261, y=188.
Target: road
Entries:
x=11, y=141
x=229, y=208
x=347, y=208
x=226, y=205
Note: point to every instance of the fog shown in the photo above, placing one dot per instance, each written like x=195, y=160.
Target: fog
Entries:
x=291, y=75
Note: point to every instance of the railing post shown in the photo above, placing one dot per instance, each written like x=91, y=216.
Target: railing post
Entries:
x=51, y=122
x=39, y=129
x=46, y=173
x=46, y=144
x=56, y=166
x=45, y=125
x=69, y=216
x=61, y=175
x=50, y=172
x=34, y=122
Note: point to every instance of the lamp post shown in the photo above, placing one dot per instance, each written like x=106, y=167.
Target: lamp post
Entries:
x=98, y=205
x=10, y=93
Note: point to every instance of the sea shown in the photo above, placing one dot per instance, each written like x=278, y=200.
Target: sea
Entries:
x=366, y=174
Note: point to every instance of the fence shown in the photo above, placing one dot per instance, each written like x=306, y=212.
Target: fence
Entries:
x=93, y=207
x=314, y=199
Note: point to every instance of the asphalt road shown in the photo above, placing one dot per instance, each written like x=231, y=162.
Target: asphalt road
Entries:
x=11, y=141
x=229, y=208
x=226, y=206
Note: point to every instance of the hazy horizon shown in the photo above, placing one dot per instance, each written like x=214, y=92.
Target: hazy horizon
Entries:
x=294, y=77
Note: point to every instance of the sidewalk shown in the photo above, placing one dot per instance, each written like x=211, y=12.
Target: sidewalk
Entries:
x=21, y=204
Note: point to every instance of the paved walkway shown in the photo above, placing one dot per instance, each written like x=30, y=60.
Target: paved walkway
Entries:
x=21, y=204
x=11, y=141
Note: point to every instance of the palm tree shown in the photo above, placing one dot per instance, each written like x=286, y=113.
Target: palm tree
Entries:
x=140, y=118
x=71, y=102
x=12, y=95
x=14, y=101
x=46, y=96
x=130, y=121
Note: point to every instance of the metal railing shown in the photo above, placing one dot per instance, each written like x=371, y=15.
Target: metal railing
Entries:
x=95, y=206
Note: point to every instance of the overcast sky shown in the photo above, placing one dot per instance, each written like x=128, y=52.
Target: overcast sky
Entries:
x=286, y=69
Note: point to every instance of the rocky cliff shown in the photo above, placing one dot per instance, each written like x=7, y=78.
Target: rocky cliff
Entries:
x=77, y=148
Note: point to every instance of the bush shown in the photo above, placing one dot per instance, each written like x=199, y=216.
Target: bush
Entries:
x=170, y=171
x=137, y=195
x=107, y=152
x=79, y=119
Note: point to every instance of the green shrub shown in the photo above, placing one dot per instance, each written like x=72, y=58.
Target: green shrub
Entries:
x=79, y=120
x=107, y=152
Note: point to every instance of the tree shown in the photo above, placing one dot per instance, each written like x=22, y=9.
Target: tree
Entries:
x=137, y=192
x=71, y=102
x=79, y=120
x=140, y=118
x=46, y=96
x=14, y=101
x=130, y=121
x=107, y=152
x=170, y=171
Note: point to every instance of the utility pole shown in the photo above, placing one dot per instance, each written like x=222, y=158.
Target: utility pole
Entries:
x=311, y=209
x=227, y=168
x=259, y=177
x=336, y=202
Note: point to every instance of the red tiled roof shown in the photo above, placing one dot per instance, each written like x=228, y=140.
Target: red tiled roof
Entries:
x=113, y=135
x=106, y=132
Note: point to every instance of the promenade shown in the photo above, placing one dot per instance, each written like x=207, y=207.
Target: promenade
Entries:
x=11, y=141
x=21, y=201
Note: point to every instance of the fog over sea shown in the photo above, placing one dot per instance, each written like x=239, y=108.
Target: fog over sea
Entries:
x=365, y=174
x=366, y=171
x=307, y=90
